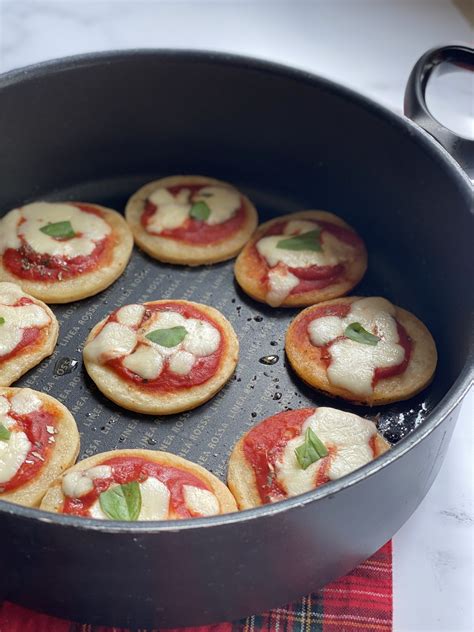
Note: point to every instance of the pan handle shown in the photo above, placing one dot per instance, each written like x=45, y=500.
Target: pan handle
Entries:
x=415, y=107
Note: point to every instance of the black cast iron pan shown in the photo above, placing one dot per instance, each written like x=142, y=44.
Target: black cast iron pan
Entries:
x=95, y=128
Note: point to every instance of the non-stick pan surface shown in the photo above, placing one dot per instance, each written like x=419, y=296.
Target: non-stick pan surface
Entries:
x=263, y=383
x=97, y=128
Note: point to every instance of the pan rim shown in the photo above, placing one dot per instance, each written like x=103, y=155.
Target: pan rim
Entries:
x=444, y=408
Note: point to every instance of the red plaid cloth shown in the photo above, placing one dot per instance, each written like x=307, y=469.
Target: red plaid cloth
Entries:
x=360, y=601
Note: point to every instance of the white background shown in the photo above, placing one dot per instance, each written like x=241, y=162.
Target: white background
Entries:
x=370, y=46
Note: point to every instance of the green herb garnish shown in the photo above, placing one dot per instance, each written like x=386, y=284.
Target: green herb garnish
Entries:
x=122, y=502
x=306, y=241
x=2, y=320
x=168, y=337
x=357, y=333
x=4, y=433
x=59, y=230
x=311, y=451
x=200, y=211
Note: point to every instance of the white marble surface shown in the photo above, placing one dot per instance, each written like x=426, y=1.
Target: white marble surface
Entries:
x=371, y=46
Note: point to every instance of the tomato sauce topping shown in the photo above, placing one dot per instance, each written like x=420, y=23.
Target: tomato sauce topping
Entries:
x=341, y=310
x=194, y=231
x=264, y=445
x=34, y=425
x=25, y=263
x=29, y=337
x=312, y=277
x=126, y=469
x=203, y=369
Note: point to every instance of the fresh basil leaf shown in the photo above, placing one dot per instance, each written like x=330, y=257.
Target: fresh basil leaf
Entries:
x=306, y=241
x=357, y=333
x=2, y=320
x=311, y=451
x=168, y=337
x=200, y=211
x=4, y=433
x=122, y=502
x=59, y=230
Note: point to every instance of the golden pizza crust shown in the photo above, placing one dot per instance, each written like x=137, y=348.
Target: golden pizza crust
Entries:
x=16, y=366
x=179, y=252
x=54, y=498
x=241, y=478
x=89, y=283
x=305, y=358
x=63, y=454
x=249, y=267
x=129, y=396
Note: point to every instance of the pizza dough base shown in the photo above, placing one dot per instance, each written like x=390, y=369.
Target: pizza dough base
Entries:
x=248, y=268
x=11, y=370
x=305, y=359
x=89, y=283
x=139, y=400
x=54, y=498
x=180, y=252
x=241, y=477
x=63, y=454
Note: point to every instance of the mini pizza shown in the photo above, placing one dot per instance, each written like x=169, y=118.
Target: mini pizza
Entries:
x=296, y=451
x=365, y=350
x=63, y=251
x=38, y=441
x=301, y=259
x=138, y=485
x=28, y=332
x=161, y=357
x=190, y=220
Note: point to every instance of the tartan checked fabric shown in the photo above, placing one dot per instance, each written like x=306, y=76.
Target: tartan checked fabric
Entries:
x=359, y=602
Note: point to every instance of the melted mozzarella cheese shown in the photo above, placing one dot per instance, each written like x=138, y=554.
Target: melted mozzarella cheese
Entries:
x=299, y=226
x=171, y=211
x=324, y=329
x=148, y=358
x=130, y=315
x=9, y=231
x=223, y=202
x=200, y=501
x=181, y=362
x=17, y=318
x=23, y=316
x=10, y=293
x=347, y=436
x=155, y=502
x=267, y=248
x=12, y=455
x=25, y=402
x=332, y=252
x=10, y=338
x=353, y=364
x=162, y=320
x=4, y=405
x=203, y=339
x=113, y=341
x=280, y=282
x=77, y=484
x=7, y=421
x=88, y=227
x=99, y=471
x=146, y=362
